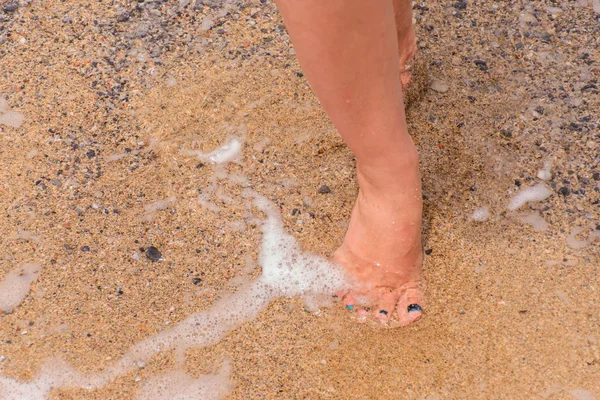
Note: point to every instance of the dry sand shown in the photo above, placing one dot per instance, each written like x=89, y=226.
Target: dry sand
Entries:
x=112, y=90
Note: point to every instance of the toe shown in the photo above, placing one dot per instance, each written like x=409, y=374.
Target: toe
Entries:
x=387, y=303
x=410, y=305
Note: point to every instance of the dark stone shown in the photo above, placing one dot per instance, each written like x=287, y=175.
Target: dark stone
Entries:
x=428, y=251
x=200, y=165
x=90, y=153
x=85, y=248
x=295, y=211
x=153, y=253
x=565, y=191
x=11, y=6
x=383, y=312
x=596, y=176
x=324, y=189
x=481, y=64
x=518, y=182
x=123, y=17
x=196, y=281
x=461, y=5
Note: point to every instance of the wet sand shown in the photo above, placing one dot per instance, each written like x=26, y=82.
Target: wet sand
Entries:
x=111, y=93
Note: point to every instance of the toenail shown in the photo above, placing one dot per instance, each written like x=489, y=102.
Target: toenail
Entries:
x=350, y=307
x=414, y=307
x=383, y=312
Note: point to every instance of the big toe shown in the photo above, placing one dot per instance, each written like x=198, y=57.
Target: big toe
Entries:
x=410, y=305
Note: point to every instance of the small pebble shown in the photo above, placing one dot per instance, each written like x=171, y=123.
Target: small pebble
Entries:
x=324, y=189
x=428, y=251
x=153, y=253
x=11, y=6
x=439, y=86
x=85, y=248
x=481, y=64
x=90, y=153
x=565, y=191
x=461, y=5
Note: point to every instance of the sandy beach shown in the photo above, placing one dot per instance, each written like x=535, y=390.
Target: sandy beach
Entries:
x=153, y=152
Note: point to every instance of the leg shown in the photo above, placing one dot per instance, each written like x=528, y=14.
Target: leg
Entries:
x=349, y=52
x=407, y=40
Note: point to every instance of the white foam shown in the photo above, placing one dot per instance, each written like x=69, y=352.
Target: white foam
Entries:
x=25, y=235
x=15, y=286
x=226, y=153
x=9, y=118
x=177, y=385
x=480, y=215
x=159, y=205
x=582, y=394
x=537, y=222
x=576, y=244
x=536, y=192
x=545, y=174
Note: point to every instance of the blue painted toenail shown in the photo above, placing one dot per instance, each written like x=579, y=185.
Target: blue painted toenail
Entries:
x=350, y=307
x=414, y=307
x=383, y=312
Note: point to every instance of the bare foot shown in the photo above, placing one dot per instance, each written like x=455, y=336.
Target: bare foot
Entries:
x=382, y=247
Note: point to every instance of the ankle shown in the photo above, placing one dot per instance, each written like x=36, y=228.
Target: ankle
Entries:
x=390, y=171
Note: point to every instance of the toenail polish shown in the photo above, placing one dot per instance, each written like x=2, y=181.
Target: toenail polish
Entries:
x=350, y=307
x=383, y=312
x=414, y=307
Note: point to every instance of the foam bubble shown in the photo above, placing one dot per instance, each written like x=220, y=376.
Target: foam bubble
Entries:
x=15, y=286
x=536, y=192
x=11, y=118
x=480, y=215
x=545, y=174
x=537, y=222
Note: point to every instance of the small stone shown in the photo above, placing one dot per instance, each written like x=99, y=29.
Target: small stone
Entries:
x=153, y=253
x=324, y=189
x=461, y=5
x=481, y=64
x=124, y=16
x=90, y=153
x=196, y=281
x=439, y=86
x=11, y=6
x=428, y=251
x=85, y=249
x=596, y=176
x=565, y=191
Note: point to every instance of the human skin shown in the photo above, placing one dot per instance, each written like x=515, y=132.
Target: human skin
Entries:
x=352, y=53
